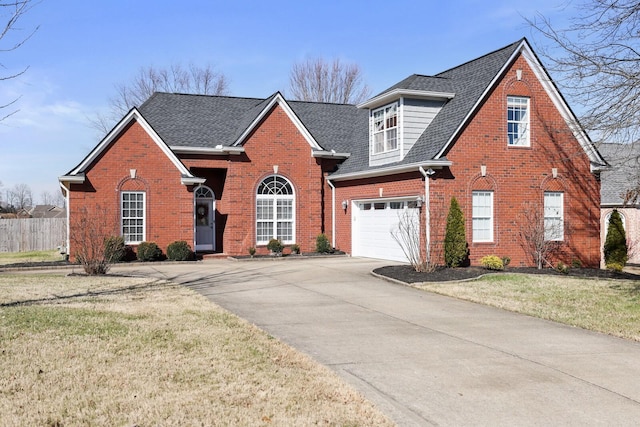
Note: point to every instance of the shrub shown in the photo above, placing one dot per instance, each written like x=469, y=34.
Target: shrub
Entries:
x=576, y=263
x=149, y=251
x=506, y=260
x=492, y=262
x=322, y=244
x=615, y=266
x=275, y=246
x=114, y=249
x=562, y=267
x=295, y=249
x=179, y=251
x=252, y=251
x=456, y=249
x=615, y=245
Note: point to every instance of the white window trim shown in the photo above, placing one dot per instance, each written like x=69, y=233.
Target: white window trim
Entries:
x=144, y=217
x=275, y=198
x=372, y=131
x=491, y=217
x=524, y=140
x=556, y=237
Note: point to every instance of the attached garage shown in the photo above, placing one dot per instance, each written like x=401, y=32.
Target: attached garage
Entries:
x=372, y=224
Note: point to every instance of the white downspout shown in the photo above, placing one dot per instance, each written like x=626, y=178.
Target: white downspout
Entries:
x=65, y=192
x=427, y=214
x=333, y=213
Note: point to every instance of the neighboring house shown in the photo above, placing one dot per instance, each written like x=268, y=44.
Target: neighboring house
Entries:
x=618, y=184
x=226, y=173
x=19, y=214
x=47, y=211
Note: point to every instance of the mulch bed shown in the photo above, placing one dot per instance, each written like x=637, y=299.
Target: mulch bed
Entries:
x=406, y=274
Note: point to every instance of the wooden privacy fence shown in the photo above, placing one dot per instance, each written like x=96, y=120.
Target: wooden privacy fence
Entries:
x=32, y=234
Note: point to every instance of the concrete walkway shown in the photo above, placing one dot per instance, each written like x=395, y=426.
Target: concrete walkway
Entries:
x=425, y=359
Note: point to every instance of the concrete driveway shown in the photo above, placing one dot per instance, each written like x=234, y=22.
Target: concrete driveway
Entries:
x=425, y=359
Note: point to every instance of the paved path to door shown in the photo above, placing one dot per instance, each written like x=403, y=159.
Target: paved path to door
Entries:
x=425, y=359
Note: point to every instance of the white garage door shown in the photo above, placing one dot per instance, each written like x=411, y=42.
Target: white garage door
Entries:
x=372, y=223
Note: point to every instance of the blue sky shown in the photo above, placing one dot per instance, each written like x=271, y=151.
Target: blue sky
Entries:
x=83, y=49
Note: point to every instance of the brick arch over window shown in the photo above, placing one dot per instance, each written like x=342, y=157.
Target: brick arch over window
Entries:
x=481, y=193
x=133, y=215
x=275, y=210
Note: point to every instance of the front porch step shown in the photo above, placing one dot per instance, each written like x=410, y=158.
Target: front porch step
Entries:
x=206, y=257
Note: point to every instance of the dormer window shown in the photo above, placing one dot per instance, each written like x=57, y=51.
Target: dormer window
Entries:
x=384, y=128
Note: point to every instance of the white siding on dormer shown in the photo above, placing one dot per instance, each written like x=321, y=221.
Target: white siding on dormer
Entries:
x=417, y=115
x=414, y=115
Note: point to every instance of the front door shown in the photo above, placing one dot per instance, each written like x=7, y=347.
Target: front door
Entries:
x=205, y=219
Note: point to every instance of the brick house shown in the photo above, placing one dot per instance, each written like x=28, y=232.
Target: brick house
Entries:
x=226, y=173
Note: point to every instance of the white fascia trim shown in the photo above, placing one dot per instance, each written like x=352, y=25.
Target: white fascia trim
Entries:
x=390, y=198
x=392, y=170
x=133, y=114
x=395, y=94
x=192, y=180
x=278, y=99
x=207, y=150
x=72, y=179
x=324, y=154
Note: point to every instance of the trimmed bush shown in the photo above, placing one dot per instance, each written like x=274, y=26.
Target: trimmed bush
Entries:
x=275, y=246
x=295, y=249
x=252, y=251
x=562, y=267
x=615, y=266
x=456, y=249
x=114, y=249
x=179, y=251
x=615, y=245
x=506, y=260
x=492, y=262
x=322, y=244
x=149, y=251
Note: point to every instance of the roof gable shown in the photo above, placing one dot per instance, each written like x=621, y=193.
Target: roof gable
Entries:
x=77, y=174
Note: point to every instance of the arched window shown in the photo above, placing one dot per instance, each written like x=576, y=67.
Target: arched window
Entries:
x=275, y=213
x=607, y=218
x=203, y=192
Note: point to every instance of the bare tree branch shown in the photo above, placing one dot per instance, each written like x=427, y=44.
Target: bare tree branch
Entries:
x=13, y=11
x=321, y=81
x=175, y=79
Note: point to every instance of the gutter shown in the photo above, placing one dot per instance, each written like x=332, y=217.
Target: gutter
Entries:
x=324, y=154
x=392, y=170
x=218, y=149
x=65, y=193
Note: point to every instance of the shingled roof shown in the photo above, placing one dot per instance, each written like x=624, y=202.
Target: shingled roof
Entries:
x=202, y=121
x=624, y=174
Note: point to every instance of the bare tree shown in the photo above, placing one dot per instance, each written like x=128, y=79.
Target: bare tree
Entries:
x=20, y=196
x=407, y=235
x=537, y=238
x=11, y=11
x=175, y=79
x=92, y=240
x=318, y=80
x=597, y=57
x=55, y=199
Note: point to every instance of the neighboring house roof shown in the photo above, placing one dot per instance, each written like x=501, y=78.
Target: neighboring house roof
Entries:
x=47, y=211
x=624, y=174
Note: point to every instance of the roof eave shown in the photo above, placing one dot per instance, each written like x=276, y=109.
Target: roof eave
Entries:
x=394, y=94
x=217, y=150
x=72, y=179
x=192, y=180
x=323, y=154
x=392, y=170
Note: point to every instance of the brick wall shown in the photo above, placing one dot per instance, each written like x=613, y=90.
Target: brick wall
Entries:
x=169, y=207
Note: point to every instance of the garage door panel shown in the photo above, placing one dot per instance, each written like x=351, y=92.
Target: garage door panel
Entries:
x=372, y=229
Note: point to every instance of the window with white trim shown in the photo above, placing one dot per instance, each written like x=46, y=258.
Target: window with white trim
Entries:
x=132, y=210
x=275, y=215
x=553, y=215
x=482, y=216
x=384, y=128
x=518, y=122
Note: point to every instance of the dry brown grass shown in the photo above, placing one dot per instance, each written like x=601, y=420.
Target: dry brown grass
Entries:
x=608, y=306
x=122, y=351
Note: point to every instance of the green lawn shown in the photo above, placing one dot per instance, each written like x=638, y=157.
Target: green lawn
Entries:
x=34, y=256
